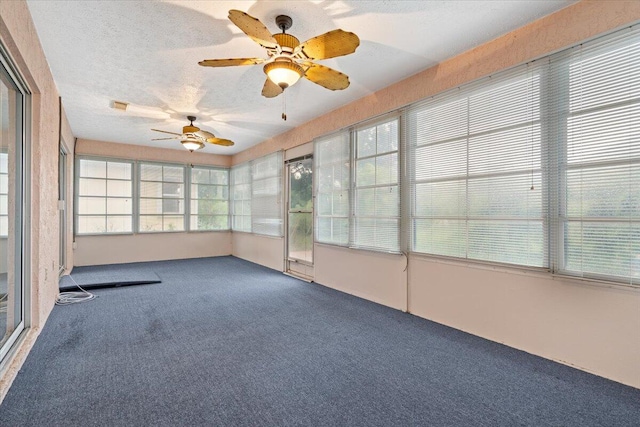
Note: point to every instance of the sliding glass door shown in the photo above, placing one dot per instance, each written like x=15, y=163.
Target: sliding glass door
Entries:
x=12, y=203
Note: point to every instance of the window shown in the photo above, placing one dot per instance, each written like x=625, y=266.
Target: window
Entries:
x=266, y=195
x=241, y=197
x=599, y=165
x=161, y=198
x=376, y=218
x=104, y=197
x=363, y=210
x=333, y=184
x=476, y=182
x=209, y=199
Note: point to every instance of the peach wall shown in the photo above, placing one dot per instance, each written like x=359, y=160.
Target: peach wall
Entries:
x=263, y=250
x=375, y=276
x=98, y=250
x=89, y=147
x=19, y=37
x=591, y=327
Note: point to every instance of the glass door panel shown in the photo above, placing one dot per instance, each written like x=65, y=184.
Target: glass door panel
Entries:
x=11, y=200
x=300, y=213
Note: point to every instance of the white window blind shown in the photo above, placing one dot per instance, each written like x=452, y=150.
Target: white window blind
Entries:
x=104, y=197
x=4, y=195
x=241, y=197
x=162, y=198
x=266, y=195
x=599, y=163
x=209, y=194
x=476, y=185
x=376, y=218
x=332, y=164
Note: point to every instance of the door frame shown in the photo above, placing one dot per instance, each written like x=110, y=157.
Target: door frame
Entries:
x=288, y=261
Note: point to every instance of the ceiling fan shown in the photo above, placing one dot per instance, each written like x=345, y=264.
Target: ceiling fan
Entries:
x=193, y=138
x=289, y=60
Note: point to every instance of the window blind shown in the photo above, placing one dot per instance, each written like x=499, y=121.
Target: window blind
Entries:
x=332, y=182
x=266, y=195
x=209, y=198
x=598, y=109
x=476, y=163
x=162, y=198
x=376, y=214
x=241, y=197
x=104, y=197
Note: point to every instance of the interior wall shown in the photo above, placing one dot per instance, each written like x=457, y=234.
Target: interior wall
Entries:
x=89, y=147
x=19, y=37
x=117, y=249
x=375, y=276
x=263, y=250
x=590, y=326
x=125, y=248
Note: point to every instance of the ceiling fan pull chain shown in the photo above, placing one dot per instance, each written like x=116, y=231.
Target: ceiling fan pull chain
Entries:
x=284, y=105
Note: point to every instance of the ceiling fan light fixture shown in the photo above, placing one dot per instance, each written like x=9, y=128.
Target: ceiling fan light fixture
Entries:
x=283, y=72
x=192, y=144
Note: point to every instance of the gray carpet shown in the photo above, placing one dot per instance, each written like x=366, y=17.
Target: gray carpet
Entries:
x=103, y=276
x=224, y=342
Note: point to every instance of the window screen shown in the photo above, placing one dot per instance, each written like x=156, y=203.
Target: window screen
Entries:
x=104, y=197
x=209, y=206
x=162, y=198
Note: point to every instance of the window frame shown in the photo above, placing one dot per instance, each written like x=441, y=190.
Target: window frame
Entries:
x=76, y=205
x=139, y=198
x=191, y=199
x=354, y=187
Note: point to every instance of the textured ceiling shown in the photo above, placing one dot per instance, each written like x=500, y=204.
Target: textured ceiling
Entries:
x=147, y=52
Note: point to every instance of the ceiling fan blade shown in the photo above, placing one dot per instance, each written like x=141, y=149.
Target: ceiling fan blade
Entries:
x=328, y=45
x=253, y=28
x=205, y=134
x=326, y=77
x=270, y=89
x=230, y=62
x=162, y=139
x=164, y=131
x=220, y=141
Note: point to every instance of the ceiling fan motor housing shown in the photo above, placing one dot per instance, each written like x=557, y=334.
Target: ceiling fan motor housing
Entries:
x=286, y=41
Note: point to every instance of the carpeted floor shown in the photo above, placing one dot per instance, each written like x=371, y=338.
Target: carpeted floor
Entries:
x=224, y=342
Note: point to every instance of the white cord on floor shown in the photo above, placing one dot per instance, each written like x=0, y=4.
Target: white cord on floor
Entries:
x=66, y=298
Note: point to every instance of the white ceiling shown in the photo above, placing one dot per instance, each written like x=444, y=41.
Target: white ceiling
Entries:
x=147, y=52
